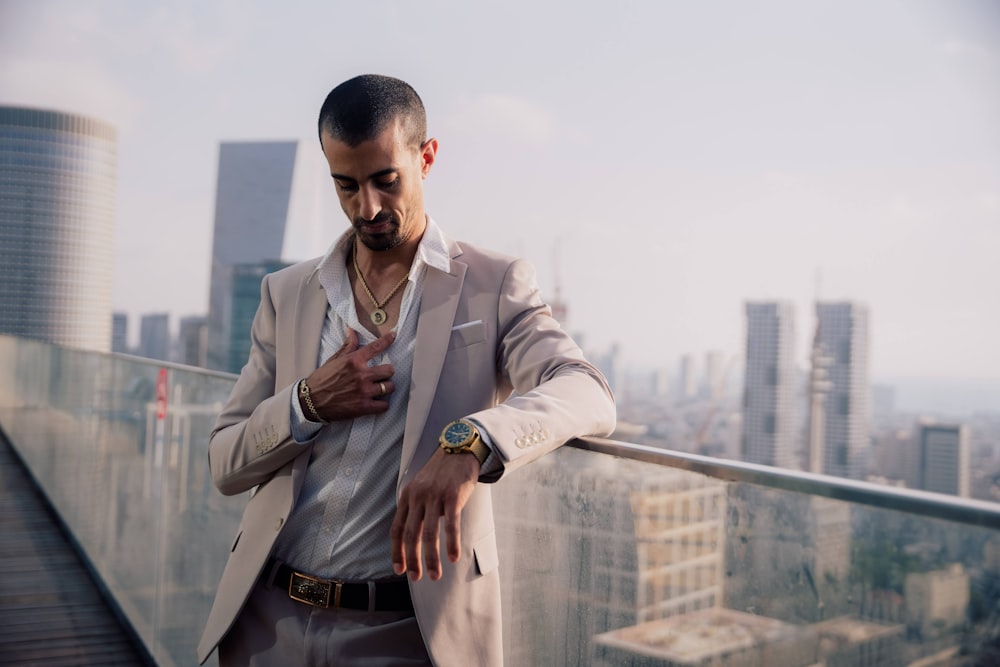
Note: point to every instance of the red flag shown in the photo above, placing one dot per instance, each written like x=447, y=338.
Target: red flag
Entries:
x=161, y=394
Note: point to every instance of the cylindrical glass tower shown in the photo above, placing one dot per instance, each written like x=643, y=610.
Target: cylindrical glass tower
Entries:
x=57, y=216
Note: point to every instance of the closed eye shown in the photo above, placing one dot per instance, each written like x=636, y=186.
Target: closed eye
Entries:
x=346, y=186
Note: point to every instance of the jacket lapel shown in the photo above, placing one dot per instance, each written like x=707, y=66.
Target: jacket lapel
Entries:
x=437, y=315
x=310, y=316
x=309, y=321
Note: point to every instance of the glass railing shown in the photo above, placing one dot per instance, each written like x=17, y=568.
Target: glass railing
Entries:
x=128, y=474
x=611, y=554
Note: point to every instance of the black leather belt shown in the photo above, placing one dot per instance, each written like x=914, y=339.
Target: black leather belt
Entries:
x=391, y=595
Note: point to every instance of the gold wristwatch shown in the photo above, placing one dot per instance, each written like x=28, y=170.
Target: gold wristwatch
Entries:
x=462, y=436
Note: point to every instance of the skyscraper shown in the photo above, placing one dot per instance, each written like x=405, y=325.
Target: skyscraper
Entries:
x=273, y=202
x=154, y=336
x=244, y=299
x=942, y=452
x=819, y=388
x=119, y=332
x=842, y=334
x=57, y=217
x=769, y=385
x=192, y=340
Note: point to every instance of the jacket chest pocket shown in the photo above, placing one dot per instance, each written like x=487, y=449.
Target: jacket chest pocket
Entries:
x=464, y=335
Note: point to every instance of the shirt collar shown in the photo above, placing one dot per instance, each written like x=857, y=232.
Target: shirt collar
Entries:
x=432, y=251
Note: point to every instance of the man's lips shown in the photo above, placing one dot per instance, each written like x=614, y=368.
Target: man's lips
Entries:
x=377, y=226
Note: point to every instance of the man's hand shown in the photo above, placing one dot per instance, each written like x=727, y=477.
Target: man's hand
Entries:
x=345, y=386
x=440, y=489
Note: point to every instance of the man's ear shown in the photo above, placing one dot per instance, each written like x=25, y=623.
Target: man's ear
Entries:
x=428, y=153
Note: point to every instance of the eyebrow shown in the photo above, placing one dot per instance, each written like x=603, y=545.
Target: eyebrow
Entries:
x=377, y=174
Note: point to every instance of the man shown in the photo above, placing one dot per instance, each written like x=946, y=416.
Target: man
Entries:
x=387, y=381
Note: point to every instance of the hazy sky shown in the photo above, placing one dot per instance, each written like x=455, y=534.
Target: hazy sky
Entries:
x=682, y=156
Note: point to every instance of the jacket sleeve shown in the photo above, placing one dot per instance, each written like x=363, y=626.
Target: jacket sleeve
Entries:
x=252, y=436
x=557, y=395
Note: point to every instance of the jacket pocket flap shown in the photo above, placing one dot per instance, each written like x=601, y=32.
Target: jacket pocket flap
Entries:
x=485, y=551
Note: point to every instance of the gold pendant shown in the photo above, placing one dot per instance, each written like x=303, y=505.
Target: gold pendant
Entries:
x=378, y=317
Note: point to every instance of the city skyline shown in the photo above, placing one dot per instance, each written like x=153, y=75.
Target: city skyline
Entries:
x=680, y=162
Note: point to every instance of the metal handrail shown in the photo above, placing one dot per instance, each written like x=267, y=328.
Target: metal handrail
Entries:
x=924, y=503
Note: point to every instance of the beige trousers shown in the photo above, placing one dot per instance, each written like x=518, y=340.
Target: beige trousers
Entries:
x=275, y=631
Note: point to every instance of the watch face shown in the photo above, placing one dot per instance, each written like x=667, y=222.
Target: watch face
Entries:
x=457, y=433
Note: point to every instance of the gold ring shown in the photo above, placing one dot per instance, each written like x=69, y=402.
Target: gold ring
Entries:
x=381, y=385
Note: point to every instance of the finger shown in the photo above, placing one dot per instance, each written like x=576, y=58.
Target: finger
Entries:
x=350, y=344
x=430, y=535
x=396, y=536
x=453, y=531
x=383, y=388
x=377, y=347
x=381, y=372
x=411, y=542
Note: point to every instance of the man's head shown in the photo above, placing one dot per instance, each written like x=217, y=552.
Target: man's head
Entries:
x=372, y=131
x=361, y=108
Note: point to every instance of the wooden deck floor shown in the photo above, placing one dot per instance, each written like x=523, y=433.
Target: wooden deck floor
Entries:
x=51, y=612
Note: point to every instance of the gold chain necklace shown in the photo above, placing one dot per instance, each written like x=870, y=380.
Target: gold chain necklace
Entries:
x=378, y=316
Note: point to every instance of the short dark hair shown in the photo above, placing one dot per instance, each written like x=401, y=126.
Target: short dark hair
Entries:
x=361, y=108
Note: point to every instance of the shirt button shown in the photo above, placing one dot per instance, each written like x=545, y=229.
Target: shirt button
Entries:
x=277, y=524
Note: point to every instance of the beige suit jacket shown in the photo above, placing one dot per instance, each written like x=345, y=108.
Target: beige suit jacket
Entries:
x=512, y=368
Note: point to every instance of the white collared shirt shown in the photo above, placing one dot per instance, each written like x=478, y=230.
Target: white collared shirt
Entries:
x=340, y=524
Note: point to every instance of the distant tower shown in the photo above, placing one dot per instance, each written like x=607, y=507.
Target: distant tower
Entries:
x=58, y=173
x=943, y=458
x=610, y=364
x=842, y=333
x=769, y=385
x=714, y=376
x=119, y=332
x=688, y=378
x=154, y=336
x=193, y=340
x=272, y=202
x=244, y=299
x=819, y=387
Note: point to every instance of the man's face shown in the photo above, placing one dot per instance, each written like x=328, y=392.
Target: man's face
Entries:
x=380, y=185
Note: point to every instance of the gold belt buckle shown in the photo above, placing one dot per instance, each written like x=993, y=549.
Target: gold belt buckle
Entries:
x=316, y=592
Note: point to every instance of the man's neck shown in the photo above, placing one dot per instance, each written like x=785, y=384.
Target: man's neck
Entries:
x=380, y=265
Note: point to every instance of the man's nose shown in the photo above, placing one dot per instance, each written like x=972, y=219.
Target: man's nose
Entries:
x=371, y=204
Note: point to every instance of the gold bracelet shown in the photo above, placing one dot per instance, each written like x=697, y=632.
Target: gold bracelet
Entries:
x=311, y=413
